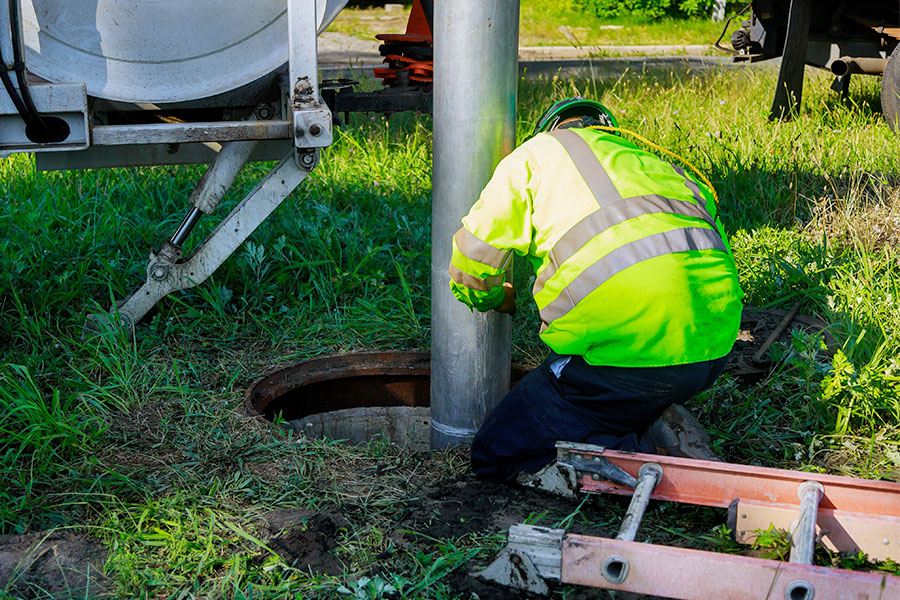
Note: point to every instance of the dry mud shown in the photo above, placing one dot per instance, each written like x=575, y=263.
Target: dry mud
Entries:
x=449, y=509
x=56, y=564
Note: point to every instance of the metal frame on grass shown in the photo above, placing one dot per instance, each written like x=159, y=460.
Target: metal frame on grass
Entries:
x=845, y=514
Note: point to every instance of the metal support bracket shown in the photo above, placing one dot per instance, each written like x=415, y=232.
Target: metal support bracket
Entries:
x=557, y=478
x=221, y=175
x=66, y=101
x=573, y=462
x=166, y=272
x=532, y=556
x=311, y=117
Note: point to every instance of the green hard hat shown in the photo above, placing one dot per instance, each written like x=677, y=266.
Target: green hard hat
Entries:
x=574, y=107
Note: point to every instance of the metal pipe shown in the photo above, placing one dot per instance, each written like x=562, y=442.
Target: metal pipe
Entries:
x=648, y=476
x=476, y=72
x=177, y=133
x=186, y=226
x=211, y=188
x=858, y=65
x=803, y=542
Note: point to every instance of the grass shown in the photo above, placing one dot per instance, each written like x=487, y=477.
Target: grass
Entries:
x=145, y=444
x=545, y=23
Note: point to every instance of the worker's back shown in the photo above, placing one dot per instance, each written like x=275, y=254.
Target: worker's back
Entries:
x=632, y=267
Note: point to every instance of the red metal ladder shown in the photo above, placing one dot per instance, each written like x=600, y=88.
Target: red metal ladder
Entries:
x=845, y=514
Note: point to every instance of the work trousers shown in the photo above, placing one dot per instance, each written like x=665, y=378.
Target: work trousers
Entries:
x=606, y=406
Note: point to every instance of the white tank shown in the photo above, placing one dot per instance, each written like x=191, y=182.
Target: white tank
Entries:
x=159, y=51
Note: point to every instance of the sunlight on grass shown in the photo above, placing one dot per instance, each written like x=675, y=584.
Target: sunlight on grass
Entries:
x=146, y=443
x=552, y=23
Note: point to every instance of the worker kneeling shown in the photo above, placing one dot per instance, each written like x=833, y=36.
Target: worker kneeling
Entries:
x=636, y=285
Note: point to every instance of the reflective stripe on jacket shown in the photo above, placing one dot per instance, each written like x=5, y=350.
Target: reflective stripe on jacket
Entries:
x=632, y=266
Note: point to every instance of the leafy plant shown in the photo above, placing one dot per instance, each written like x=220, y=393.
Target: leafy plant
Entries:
x=775, y=543
x=368, y=588
x=651, y=9
x=865, y=398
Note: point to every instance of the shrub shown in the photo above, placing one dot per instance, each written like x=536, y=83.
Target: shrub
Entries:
x=652, y=9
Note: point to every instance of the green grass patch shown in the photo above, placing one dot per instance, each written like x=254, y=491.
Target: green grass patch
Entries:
x=548, y=23
x=145, y=443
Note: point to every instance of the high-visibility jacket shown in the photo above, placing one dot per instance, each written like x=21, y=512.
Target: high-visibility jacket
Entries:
x=632, y=266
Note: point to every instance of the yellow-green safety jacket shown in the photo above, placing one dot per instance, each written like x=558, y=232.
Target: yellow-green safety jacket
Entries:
x=632, y=266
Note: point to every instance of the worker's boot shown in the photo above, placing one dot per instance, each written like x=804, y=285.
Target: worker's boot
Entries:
x=677, y=433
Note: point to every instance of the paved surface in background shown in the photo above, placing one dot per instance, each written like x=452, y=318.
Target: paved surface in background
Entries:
x=570, y=52
x=339, y=50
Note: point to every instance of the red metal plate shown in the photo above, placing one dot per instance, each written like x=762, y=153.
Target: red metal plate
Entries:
x=697, y=575
x=411, y=38
x=717, y=484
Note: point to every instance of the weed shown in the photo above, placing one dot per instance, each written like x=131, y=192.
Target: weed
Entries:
x=773, y=542
x=146, y=444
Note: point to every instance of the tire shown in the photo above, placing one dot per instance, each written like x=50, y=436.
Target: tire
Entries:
x=890, y=91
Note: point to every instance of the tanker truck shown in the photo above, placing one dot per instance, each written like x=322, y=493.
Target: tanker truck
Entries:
x=847, y=38
x=122, y=83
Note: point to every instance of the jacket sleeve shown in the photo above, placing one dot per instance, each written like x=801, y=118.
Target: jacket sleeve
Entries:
x=498, y=224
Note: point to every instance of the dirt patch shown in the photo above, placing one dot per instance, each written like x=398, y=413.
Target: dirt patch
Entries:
x=455, y=507
x=462, y=505
x=757, y=325
x=306, y=540
x=269, y=471
x=53, y=565
x=449, y=509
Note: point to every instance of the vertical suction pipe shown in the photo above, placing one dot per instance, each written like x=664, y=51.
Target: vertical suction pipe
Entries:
x=476, y=72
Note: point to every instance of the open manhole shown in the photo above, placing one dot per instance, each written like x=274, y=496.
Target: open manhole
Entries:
x=356, y=397
x=364, y=396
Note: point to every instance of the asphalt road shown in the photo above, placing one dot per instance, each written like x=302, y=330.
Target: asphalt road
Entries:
x=343, y=53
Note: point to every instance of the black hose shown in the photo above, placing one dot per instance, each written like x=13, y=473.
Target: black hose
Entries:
x=13, y=93
x=38, y=129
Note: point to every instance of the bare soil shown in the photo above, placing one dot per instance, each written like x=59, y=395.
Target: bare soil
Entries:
x=449, y=509
x=757, y=325
x=306, y=539
x=54, y=564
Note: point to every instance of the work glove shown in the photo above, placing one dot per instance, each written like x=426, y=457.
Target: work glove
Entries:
x=508, y=306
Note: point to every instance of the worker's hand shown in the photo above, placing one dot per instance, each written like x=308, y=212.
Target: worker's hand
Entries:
x=508, y=306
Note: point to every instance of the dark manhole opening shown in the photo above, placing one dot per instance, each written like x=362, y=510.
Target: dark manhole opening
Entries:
x=356, y=397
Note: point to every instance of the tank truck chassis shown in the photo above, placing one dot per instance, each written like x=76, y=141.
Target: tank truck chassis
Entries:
x=156, y=94
x=844, y=514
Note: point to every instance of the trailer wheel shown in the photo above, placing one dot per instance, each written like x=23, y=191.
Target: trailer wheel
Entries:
x=890, y=91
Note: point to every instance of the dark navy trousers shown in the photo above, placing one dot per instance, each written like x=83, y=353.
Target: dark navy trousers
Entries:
x=606, y=406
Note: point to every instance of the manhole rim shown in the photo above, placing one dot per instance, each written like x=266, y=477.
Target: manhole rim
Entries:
x=303, y=373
